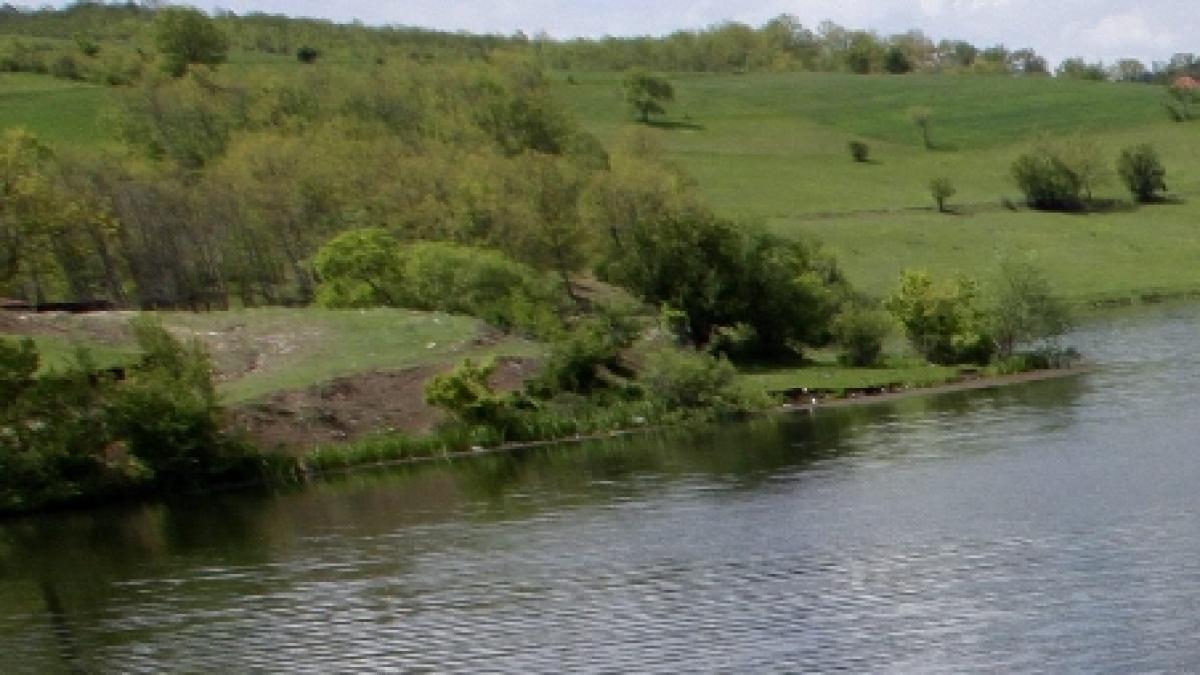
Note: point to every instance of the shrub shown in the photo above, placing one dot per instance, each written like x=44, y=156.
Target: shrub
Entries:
x=860, y=333
x=859, y=151
x=307, y=54
x=466, y=393
x=1047, y=182
x=941, y=189
x=368, y=268
x=945, y=322
x=167, y=414
x=587, y=356
x=682, y=379
x=1056, y=176
x=1142, y=172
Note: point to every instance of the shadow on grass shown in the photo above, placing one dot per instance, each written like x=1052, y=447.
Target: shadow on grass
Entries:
x=674, y=124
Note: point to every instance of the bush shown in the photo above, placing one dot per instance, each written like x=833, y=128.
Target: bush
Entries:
x=307, y=54
x=945, y=322
x=166, y=413
x=860, y=333
x=466, y=393
x=1142, y=172
x=1056, y=176
x=859, y=151
x=368, y=268
x=588, y=355
x=1047, y=182
x=682, y=379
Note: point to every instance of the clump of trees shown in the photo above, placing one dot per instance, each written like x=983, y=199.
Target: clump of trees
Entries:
x=960, y=320
x=78, y=434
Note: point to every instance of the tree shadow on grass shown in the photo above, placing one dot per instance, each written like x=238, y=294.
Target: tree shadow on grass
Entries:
x=675, y=124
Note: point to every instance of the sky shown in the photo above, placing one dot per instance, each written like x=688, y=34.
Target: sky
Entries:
x=1150, y=30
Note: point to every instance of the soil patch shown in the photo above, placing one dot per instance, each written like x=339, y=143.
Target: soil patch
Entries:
x=348, y=408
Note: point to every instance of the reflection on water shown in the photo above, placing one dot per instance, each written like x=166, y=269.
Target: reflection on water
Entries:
x=1051, y=525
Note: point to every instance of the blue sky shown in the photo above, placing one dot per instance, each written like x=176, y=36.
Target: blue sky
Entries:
x=1094, y=29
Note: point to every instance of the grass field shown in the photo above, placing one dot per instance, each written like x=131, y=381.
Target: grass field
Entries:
x=261, y=351
x=58, y=111
x=772, y=147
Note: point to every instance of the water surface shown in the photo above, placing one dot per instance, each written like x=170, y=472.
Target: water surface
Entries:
x=1049, y=526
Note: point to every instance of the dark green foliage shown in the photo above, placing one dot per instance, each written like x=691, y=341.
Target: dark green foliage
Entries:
x=1048, y=181
x=78, y=434
x=896, y=62
x=859, y=151
x=860, y=333
x=185, y=36
x=941, y=189
x=647, y=93
x=719, y=273
x=587, y=355
x=307, y=54
x=167, y=414
x=1142, y=172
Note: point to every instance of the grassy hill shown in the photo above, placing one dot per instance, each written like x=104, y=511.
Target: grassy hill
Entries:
x=773, y=147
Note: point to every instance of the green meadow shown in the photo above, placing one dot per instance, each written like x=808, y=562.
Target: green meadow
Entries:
x=773, y=147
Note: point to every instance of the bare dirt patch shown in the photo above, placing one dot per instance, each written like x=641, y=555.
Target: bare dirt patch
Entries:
x=347, y=408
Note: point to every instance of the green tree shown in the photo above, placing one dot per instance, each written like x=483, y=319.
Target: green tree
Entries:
x=1022, y=307
x=186, y=36
x=1142, y=172
x=941, y=189
x=922, y=117
x=647, y=93
x=897, y=62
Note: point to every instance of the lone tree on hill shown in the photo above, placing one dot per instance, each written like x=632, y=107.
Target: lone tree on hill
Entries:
x=922, y=117
x=186, y=36
x=647, y=92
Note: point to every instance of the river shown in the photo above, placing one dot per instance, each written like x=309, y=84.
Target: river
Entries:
x=1047, y=526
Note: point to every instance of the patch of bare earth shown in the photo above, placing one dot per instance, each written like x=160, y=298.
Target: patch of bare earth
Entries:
x=351, y=407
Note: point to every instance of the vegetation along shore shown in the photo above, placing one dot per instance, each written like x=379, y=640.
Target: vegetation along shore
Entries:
x=249, y=249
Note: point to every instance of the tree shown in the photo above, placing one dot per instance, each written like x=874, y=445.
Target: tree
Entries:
x=646, y=93
x=922, y=117
x=859, y=151
x=1142, y=172
x=1023, y=309
x=896, y=62
x=941, y=189
x=185, y=36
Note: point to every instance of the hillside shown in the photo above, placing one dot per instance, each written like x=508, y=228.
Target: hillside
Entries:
x=773, y=147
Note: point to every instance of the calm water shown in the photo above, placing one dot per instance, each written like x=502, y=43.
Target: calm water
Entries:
x=1053, y=526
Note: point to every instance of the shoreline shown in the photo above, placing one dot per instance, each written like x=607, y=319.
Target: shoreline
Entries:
x=975, y=384
x=972, y=384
